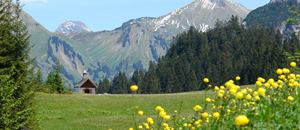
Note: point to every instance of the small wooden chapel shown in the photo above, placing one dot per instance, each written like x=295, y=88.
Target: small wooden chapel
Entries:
x=86, y=85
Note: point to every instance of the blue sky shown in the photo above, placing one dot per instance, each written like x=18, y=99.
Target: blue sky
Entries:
x=105, y=14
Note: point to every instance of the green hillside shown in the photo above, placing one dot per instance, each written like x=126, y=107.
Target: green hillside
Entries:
x=272, y=15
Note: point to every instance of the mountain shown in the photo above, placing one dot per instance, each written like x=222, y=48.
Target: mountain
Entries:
x=278, y=14
x=126, y=48
x=72, y=27
x=202, y=14
x=47, y=47
x=222, y=53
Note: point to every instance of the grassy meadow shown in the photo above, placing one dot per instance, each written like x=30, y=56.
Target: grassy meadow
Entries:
x=269, y=104
x=102, y=112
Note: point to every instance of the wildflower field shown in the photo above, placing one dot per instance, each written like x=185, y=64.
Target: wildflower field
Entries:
x=269, y=104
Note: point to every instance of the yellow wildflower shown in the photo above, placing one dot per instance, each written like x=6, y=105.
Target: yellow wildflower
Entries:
x=258, y=83
x=146, y=125
x=222, y=87
x=275, y=85
x=232, y=91
x=162, y=114
x=229, y=84
x=270, y=81
x=140, y=127
x=167, y=118
x=293, y=64
x=248, y=97
x=208, y=100
x=290, y=98
x=197, y=108
x=279, y=71
x=165, y=125
x=134, y=88
x=237, y=78
x=241, y=120
x=262, y=80
x=282, y=77
x=159, y=109
x=220, y=95
x=244, y=91
x=285, y=70
x=255, y=93
x=249, y=90
x=206, y=80
x=216, y=115
x=239, y=95
x=267, y=85
x=217, y=88
x=261, y=91
x=292, y=76
x=204, y=115
x=198, y=122
x=150, y=121
x=141, y=113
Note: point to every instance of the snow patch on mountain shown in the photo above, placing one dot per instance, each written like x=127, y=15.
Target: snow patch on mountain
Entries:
x=161, y=21
x=207, y=4
x=171, y=19
x=72, y=27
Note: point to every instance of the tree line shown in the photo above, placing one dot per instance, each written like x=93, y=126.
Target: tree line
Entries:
x=222, y=53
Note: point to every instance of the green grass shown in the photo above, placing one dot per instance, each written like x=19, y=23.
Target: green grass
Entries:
x=88, y=112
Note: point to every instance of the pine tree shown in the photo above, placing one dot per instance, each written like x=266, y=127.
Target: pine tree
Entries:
x=16, y=94
x=54, y=80
x=39, y=77
x=119, y=84
x=151, y=83
x=37, y=81
x=103, y=86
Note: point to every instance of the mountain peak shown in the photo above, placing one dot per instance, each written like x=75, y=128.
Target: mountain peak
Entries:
x=202, y=14
x=221, y=3
x=214, y=1
x=72, y=27
x=209, y=4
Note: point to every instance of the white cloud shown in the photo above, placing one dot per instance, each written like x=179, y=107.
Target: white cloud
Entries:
x=34, y=1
